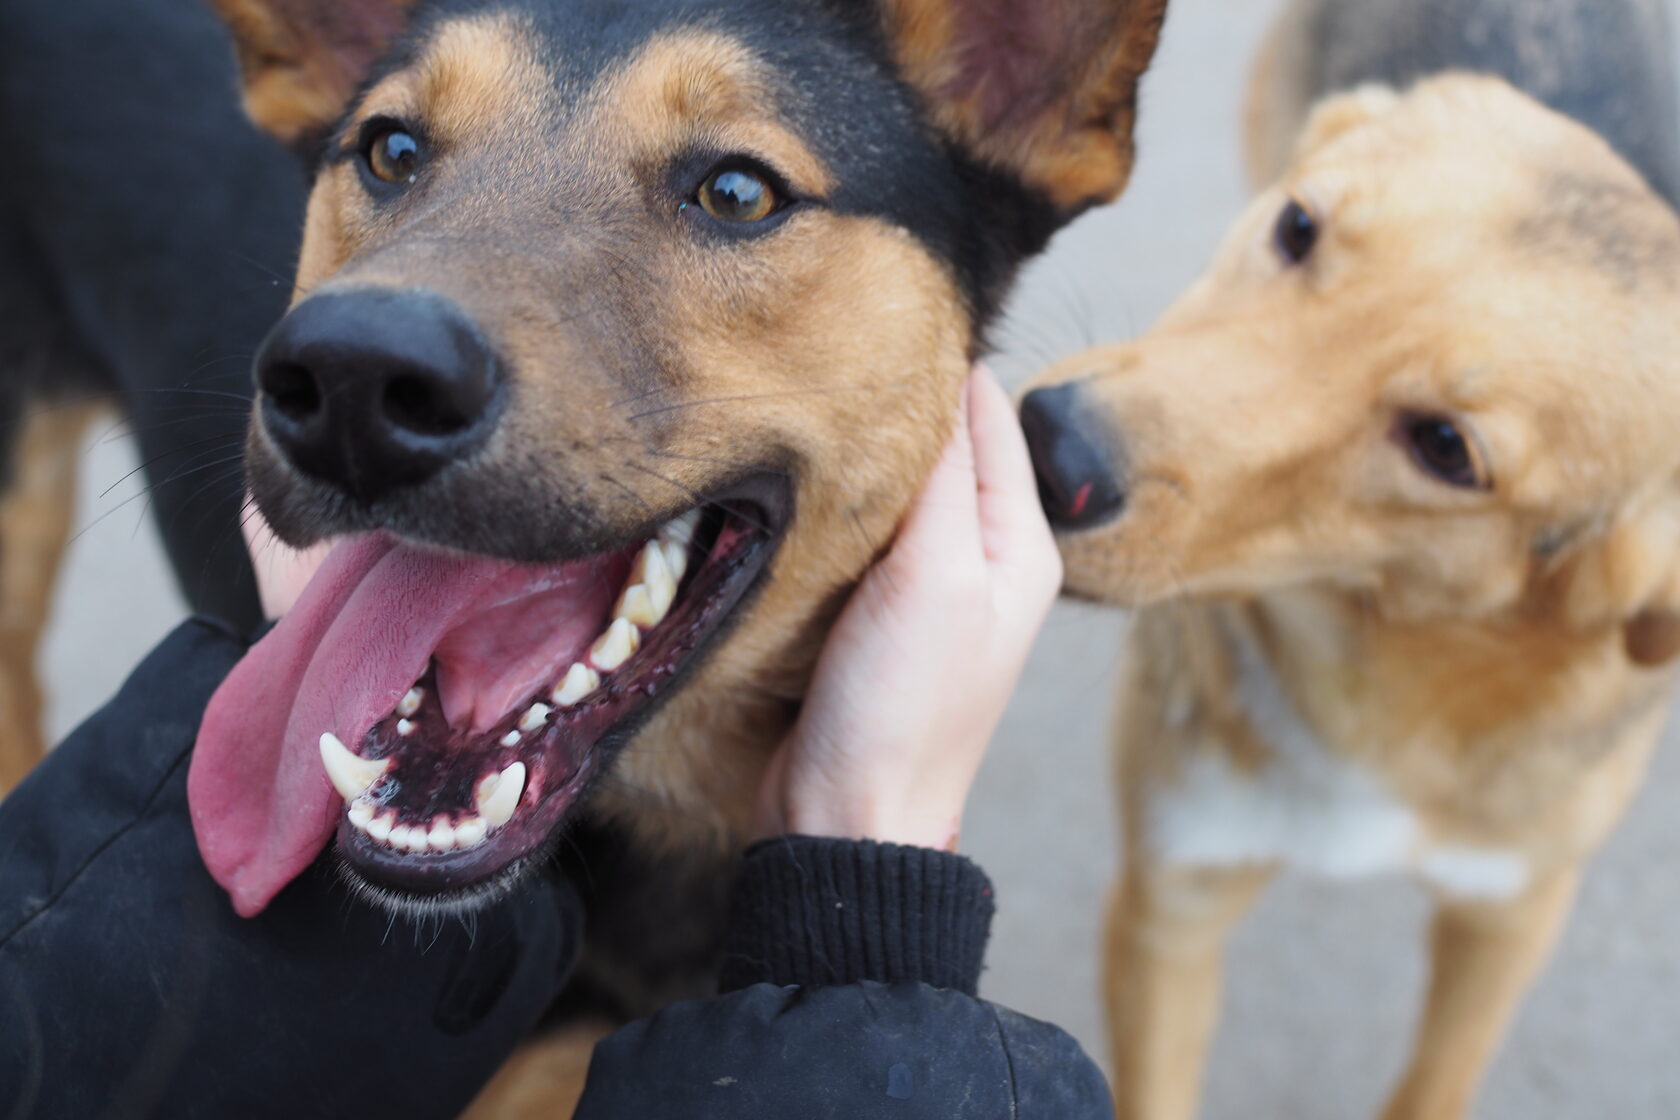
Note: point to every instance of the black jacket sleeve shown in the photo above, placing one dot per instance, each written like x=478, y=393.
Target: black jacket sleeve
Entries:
x=128, y=987
x=848, y=993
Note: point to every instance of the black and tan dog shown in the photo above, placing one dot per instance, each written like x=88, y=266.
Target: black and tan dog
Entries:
x=146, y=231
x=1397, y=486
x=626, y=331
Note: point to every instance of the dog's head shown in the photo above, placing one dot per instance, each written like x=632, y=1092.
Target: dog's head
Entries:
x=626, y=331
x=1439, y=364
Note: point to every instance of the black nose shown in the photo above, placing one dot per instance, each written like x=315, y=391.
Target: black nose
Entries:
x=375, y=390
x=1079, y=469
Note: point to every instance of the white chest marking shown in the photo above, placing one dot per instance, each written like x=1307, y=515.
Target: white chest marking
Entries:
x=1307, y=809
x=1474, y=873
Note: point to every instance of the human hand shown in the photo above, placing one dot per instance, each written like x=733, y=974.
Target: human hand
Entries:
x=916, y=674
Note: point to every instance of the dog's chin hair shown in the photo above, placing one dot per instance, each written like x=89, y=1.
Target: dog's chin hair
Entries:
x=461, y=903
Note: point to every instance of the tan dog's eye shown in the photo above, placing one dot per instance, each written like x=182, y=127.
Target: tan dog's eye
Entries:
x=1441, y=449
x=393, y=155
x=1296, y=233
x=739, y=195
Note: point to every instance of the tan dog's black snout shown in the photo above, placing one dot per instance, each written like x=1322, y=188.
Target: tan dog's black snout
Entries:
x=374, y=390
x=1080, y=465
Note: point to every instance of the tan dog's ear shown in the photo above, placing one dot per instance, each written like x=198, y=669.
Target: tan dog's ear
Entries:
x=303, y=59
x=1341, y=114
x=1045, y=90
x=1632, y=579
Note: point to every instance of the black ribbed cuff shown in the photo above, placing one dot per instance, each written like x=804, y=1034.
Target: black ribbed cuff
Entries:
x=824, y=913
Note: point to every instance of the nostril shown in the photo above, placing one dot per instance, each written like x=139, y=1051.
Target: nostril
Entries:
x=415, y=404
x=293, y=391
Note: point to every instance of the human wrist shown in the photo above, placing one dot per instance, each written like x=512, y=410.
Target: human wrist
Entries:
x=919, y=823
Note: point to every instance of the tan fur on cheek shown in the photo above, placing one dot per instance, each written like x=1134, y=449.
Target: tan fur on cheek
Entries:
x=854, y=371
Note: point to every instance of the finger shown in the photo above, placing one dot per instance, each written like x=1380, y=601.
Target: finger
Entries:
x=1012, y=522
x=946, y=514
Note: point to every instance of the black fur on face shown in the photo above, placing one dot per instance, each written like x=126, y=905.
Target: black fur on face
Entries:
x=839, y=91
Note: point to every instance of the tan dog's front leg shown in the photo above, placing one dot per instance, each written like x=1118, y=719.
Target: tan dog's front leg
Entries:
x=1485, y=955
x=35, y=517
x=1167, y=931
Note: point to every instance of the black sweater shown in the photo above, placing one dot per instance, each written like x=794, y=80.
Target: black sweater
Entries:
x=128, y=988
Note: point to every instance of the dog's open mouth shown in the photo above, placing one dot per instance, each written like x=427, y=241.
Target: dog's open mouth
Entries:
x=478, y=762
x=442, y=712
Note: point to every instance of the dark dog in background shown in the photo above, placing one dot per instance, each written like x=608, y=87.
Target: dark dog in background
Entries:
x=147, y=240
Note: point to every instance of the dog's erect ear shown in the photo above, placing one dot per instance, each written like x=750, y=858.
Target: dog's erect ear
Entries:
x=303, y=59
x=1631, y=578
x=1336, y=116
x=1045, y=90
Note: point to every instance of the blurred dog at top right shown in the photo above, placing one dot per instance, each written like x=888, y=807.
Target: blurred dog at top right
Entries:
x=1396, y=489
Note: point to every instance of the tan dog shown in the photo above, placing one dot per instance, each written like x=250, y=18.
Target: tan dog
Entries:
x=1395, y=486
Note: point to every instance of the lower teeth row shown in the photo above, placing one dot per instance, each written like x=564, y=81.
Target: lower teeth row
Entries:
x=497, y=797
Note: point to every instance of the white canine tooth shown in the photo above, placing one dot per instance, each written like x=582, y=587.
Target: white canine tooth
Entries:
x=498, y=799
x=471, y=832
x=656, y=575
x=511, y=739
x=653, y=571
x=380, y=828
x=405, y=727
x=414, y=840
x=616, y=646
x=361, y=815
x=677, y=538
x=399, y=838
x=411, y=703
x=535, y=718
x=442, y=836
x=636, y=605
x=351, y=774
x=682, y=529
x=580, y=682
x=676, y=559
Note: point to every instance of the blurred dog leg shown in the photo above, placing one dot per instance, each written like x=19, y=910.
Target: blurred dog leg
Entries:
x=1484, y=957
x=1164, y=967
x=36, y=510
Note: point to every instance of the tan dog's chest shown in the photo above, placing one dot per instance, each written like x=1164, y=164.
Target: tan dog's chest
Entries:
x=1229, y=774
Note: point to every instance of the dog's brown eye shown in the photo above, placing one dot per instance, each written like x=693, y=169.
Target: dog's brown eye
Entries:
x=1440, y=448
x=738, y=196
x=394, y=156
x=1297, y=233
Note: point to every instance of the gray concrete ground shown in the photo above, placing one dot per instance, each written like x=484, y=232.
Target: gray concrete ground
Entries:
x=1324, y=980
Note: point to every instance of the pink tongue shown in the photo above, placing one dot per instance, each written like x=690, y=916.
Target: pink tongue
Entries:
x=362, y=634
